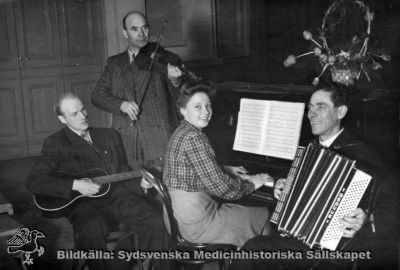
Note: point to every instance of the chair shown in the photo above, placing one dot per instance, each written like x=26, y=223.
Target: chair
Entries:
x=8, y=227
x=178, y=243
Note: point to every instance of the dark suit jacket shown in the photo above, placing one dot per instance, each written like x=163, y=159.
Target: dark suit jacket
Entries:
x=385, y=209
x=351, y=147
x=147, y=138
x=368, y=161
x=66, y=151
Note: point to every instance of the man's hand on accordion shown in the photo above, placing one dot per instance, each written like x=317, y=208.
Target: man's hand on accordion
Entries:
x=278, y=187
x=353, y=222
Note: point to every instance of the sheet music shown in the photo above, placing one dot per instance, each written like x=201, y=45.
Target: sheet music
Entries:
x=251, y=126
x=283, y=129
x=269, y=128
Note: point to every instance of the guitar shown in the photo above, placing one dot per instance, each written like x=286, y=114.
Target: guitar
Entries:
x=55, y=204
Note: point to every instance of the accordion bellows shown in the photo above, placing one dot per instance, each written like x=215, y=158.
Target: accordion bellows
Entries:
x=322, y=186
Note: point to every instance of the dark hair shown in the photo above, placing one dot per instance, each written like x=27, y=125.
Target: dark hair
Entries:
x=339, y=93
x=129, y=13
x=191, y=87
x=57, y=106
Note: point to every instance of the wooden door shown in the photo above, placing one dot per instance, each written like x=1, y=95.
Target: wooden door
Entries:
x=48, y=47
x=80, y=33
x=40, y=95
x=38, y=37
x=81, y=51
x=12, y=123
x=40, y=67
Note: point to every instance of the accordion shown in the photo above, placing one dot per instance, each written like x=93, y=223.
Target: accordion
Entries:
x=321, y=187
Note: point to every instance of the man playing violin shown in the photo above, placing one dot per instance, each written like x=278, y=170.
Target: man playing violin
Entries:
x=141, y=100
x=76, y=150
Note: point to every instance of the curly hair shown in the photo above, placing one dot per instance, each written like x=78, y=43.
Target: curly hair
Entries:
x=191, y=87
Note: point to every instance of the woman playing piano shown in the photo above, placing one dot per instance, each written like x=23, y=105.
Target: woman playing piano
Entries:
x=194, y=179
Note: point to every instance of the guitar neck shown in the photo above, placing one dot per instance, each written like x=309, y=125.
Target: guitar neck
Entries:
x=116, y=177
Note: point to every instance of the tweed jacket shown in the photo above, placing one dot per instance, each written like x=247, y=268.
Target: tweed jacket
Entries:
x=145, y=139
x=66, y=151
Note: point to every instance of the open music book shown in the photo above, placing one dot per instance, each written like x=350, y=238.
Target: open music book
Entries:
x=268, y=127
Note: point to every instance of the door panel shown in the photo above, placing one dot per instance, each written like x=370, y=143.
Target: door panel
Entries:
x=82, y=85
x=80, y=44
x=41, y=43
x=11, y=112
x=38, y=33
x=40, y=95
x=8, y=48
x=12, y=127
x=12, y=124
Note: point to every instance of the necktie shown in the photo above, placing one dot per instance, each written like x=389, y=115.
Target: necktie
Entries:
x=86, y=137
x=131, y=58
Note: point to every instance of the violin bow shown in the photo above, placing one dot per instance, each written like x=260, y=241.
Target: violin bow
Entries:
x=148, y=74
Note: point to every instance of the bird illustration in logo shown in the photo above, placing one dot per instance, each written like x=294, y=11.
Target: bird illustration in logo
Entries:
x=26, y=241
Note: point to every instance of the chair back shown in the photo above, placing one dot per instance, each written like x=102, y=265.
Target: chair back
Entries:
x=154, y=177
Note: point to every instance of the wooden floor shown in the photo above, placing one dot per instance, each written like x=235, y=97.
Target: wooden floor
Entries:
x=59, y=232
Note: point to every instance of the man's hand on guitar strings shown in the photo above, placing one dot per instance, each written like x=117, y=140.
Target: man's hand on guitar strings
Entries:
x=85, y=186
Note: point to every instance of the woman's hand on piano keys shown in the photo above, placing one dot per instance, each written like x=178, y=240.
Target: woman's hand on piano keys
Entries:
x=278, y=187
x=238, y=172
x=260, y=179
x=353, y=222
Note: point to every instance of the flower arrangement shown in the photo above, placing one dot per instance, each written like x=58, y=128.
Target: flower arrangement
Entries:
x=351, y=59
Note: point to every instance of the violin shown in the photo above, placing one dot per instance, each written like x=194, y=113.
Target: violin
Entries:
x=153, y=52
x=152, y=55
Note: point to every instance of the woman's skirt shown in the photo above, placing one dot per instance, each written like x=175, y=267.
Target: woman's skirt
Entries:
x=202, y=220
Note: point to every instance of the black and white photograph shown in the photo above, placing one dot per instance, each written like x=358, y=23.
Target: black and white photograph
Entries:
x=199, y=134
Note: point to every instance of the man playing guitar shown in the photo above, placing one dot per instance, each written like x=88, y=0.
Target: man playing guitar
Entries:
x=65, y=169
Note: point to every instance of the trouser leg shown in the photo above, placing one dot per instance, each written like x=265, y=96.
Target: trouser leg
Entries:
x=90, y=220
x=144, y=218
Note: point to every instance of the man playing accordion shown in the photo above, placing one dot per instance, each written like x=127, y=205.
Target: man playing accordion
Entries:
x=327, y=108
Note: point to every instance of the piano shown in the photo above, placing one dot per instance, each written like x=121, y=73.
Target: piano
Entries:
x=373, y=116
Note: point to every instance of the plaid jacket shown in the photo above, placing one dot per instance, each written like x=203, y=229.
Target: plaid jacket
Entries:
x=190, y=165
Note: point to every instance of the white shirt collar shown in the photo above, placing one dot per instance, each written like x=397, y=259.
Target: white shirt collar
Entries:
x=329, y=141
